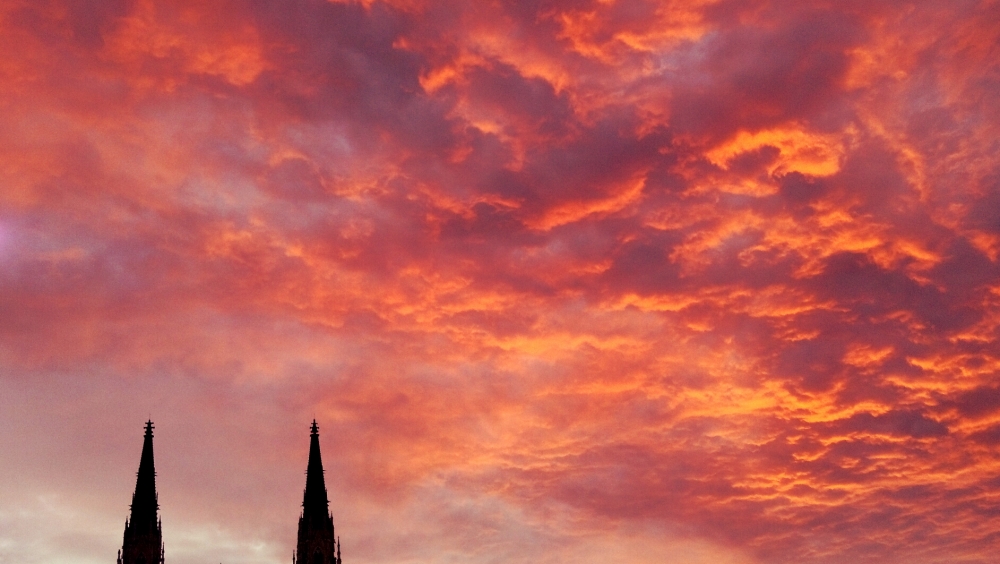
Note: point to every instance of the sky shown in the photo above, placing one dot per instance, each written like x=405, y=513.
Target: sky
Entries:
x=561, y=281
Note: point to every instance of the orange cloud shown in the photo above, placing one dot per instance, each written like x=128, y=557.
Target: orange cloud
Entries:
x=707, y=279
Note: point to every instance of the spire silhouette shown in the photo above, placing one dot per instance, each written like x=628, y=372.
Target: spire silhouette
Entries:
x=317, y=543
x=143, y=543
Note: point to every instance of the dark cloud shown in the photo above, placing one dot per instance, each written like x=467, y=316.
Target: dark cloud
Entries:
x=979, y=402
x=900, y=423
x=563, y=270
x=755, y=77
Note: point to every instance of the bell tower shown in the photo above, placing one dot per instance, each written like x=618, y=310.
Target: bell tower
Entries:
x=317, y=543
x=143, y=542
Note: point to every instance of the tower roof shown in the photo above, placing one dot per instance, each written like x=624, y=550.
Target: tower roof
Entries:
x=144, y=502
x=317, y=542
x=315, y=504
x=142, y=542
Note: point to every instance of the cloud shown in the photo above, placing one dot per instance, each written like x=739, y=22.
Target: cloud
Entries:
x=561, y=280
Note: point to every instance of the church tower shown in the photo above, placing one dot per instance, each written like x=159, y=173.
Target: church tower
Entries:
x=143, y=543
x=317, y=543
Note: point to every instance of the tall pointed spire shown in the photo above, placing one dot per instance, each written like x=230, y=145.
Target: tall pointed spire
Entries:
x=315, y=504
x=317, y=543
x=143, y=542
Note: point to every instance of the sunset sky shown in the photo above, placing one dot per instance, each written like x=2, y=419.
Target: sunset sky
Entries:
x=562, y=281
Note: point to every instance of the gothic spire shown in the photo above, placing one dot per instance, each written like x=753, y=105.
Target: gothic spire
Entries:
x=142, y=542
x=144, y=502
x=316, y=543
x=314, y=502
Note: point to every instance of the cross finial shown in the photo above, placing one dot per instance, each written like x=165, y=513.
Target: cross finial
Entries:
x=314, y=428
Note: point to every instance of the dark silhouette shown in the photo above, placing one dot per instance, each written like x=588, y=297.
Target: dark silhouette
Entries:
x=317, y=543
x=143, y=543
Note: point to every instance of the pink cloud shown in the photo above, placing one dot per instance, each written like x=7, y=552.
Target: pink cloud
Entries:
x=557, y=278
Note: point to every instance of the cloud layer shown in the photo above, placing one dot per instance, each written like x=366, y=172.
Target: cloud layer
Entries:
x=562, y=280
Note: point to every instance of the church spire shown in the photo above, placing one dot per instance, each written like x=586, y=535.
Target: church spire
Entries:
x=314, y=502
x=316, y=543
x=143, y=542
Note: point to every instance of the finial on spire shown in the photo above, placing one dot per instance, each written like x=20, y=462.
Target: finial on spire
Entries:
x=149, y=428
x=314, y=429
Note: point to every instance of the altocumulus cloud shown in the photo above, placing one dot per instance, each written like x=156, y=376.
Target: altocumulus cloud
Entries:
x=628, y=280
